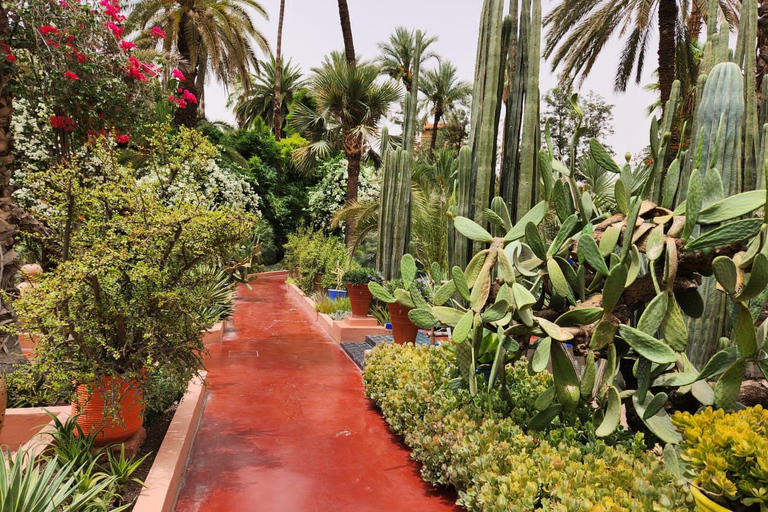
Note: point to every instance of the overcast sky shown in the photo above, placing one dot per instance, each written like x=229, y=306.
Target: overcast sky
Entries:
x=312, y=30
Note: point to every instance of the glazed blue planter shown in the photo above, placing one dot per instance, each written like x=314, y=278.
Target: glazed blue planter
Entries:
x=337, y=294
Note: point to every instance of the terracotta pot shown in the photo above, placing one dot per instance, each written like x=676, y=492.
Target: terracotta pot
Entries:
x=704, y=504
x=403, y=330
x=3, y=401
x=127, y=399
x=360, y=298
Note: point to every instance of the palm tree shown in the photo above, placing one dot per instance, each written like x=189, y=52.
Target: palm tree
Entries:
x=209, y=35
x=580, y=29
x=346, y=31
x=349, y=103
x=397, y=55
x=259, y=100
x=443, y=90
x=277, y=126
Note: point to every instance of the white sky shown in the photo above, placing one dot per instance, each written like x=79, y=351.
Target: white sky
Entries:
x=312, y=30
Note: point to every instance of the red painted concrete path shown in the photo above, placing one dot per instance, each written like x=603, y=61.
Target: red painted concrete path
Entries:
x=287, y=428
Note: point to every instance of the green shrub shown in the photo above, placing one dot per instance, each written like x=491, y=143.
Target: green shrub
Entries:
x=480, y=444
x=727, y=454
x=328, y=306
x=363, y=275
x=312, y=253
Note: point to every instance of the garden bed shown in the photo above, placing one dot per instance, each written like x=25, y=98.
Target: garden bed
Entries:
x=354, y=329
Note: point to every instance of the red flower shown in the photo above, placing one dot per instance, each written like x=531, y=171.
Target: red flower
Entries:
x=178, y=75
x=189, y=97
x=122, y=139
x=62, y=123
x=80, y=57
x=48, y=29
x=71, y=75
x=127, y=46
x=116, y=31
x=157, y=32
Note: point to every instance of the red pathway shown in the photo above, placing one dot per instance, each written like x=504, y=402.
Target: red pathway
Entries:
x=287, y=428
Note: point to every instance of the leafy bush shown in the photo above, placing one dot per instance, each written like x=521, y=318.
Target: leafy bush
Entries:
x=727, y=454
x=328, y=306
x=313, y=253
x=363, y=275
x=480, y=444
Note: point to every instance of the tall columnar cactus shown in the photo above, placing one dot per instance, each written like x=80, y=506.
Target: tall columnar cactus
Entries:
x=460, y=245
x=486, y=106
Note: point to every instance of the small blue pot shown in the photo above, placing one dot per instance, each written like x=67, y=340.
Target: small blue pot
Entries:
x=388, y=326
x=337, y=294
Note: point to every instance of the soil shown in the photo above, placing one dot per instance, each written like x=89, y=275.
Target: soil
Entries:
x=155, y=435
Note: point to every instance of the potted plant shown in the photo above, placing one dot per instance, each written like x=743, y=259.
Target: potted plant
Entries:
x=125, y=300
x=724, y=458
x=357, y=286
x=337, y=293
x=403, y=297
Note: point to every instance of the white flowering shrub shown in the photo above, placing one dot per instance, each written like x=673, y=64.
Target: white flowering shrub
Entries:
x=329, y=195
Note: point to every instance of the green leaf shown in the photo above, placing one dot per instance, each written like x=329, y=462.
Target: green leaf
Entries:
x=533, y=238
x=535, y=215
x=603, y=335
x=589, y=250
x=654, y=245
x=726, y=273
x=463, y=328
x=408, y=269
x=659, y=423
x=404, y=298
x=422, y=318
x=726, y=234
x=553, y=330
x=588, y=376
x=647, y=346
x=655, y=405
x=692, y=203
x=622, y=196
x=729, y=385
x=541, y=355
x=523, y=298
x=505, y=266
x=563, y=201
x=674, y=328
x=481, y=290
x=602, y=156
x=612, y=414
x=381, y=293
x=732, y=207
x=654, y=313
x=745, y=333
x=566, y=380
x=614, y=287
x=474, y=267
x=545, y=399
x=672, y=461
x=691, y=303
x=417, y=297
x=471, y=230
x=719, y=362
x=643, y=378
x=565, y=231
x=447, y=316
x=559, y=282
x=675, y=379
x=609, y=240
x=461, y=282
x=579, y=316
x=496, y=312
x=544, y=418
x=758, y=279
x=445, y=292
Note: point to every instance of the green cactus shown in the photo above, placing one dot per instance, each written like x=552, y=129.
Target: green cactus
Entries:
x=462, y=248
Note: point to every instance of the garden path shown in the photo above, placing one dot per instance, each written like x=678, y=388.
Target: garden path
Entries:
x=286, y=426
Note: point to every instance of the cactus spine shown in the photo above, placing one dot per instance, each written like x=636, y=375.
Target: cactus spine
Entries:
x=395, y=202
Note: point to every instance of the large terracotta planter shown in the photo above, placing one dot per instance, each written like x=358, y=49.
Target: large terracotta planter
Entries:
x=360, y=298
x=403, y=330
x=3, y=401
x=128, y=401
x=704, y=504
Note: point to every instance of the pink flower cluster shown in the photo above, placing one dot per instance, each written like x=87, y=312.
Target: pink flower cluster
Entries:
x=178, y=75
x=186, y=98
x=71, y=75
x=48, y=29
x=139, y=70
x=9, y=56
x=127, y=46
x=65, y=123
x=157, y=32
x=117, y=30
x=112, y=9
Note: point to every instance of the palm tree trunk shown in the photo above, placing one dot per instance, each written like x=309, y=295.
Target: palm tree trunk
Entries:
x=10, y=351
x=186, y=116
x=278, y=127
x=433, y=142
x=346, y=30
x=353, y=149
x=667, y=21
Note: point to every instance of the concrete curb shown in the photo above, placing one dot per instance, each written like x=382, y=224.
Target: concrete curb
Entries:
x=165, y=477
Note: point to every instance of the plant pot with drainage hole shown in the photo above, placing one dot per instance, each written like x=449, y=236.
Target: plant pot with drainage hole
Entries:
x=360, y=296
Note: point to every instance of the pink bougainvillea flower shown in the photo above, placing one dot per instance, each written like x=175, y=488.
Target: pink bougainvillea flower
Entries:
x=122, y=139
x=188, y=96
x=157, y=32
x=62, y=123
x=48, y=29
x=71, y=75
x=178, y=75
x=127, y=46
x=81, y=58
x=116, y=30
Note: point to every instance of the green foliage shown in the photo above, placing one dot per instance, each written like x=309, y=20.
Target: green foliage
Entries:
x=480, y=445
x=726, y=455
x=328, y=306
x=363, y=275
x=312, y=254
